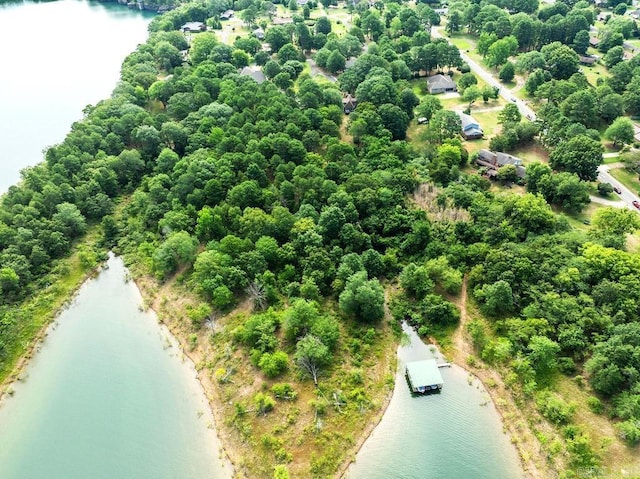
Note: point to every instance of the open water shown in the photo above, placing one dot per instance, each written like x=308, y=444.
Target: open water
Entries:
x=57, y=58
x=456, y=434
x=109, y=396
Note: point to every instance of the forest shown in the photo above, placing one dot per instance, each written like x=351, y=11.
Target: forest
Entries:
x=268, y=193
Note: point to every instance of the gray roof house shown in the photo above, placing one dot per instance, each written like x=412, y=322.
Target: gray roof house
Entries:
x=441, y=84
x=259, y=33
x=226, y=15
x=349, y=103
x=494, y=160
x=257, y=75
x=193, y=27
x=471, y=129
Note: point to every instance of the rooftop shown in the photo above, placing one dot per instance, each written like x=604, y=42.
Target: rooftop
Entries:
x=424, y=373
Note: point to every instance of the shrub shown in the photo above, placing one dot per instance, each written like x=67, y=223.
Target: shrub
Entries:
x=264, y=403
x=284, y=391
x=595, y=404
x=629, y=431
x=274, y=364
x=555, y=409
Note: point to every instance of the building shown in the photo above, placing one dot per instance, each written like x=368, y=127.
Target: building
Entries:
x=424, y=376
x=256, y=74
x=594, y=42
x=494, y=160
x=470, y=128
x=349, y=103
x=259, y=33
x=193, y=27
x=226, y=15
x=588, y=59
x=441, y=84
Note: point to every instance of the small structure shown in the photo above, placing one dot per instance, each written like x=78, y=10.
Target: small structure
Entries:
x=588, y=59
x=281, y=20
x=302, y=3
x=494, y=160
x=193, y=27
x=226, y=15
x=470, y=128
x=442, y=11
x=441, y=84
x=259, y=33
x=424, y=376
x=594, y=42
x=257, y=75
x=349, y=103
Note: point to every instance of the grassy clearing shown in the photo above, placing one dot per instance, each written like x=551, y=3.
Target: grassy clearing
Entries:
x=627, y=178
x=594, y=72
x=609, y=161
x=532, y=152
x=34, y=314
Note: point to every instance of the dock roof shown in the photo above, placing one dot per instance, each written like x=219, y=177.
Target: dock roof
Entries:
x=424, y=373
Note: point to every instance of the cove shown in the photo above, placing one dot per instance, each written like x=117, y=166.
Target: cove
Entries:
x=456, y=434
x=109, y=396
x=57, y=58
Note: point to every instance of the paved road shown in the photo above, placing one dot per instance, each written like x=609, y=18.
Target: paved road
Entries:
x=505, y=92
x=626, y=196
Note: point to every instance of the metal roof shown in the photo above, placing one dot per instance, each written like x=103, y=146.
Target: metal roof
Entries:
x=424, y=373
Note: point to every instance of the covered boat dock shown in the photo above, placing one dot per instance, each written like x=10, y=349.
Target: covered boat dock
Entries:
x=424, y=376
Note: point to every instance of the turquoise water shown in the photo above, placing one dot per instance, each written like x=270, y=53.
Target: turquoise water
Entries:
x=57, y=57
x=108, y=396
x=456, y=434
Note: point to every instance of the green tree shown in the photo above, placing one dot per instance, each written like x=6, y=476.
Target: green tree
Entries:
x=311, y=356
x=362, y=298
x=615, y=221
x=509, y=115
x=323, y=25
x=507, y=72
x=621, y=132
x=445, y=124
x=335, y=62
x=177, y=250
x=496, y=298
x=580, y=155
x=428, y=107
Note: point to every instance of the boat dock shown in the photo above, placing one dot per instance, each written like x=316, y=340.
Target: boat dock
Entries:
x=424, y=376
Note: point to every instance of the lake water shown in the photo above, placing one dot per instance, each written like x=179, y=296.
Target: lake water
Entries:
x=109, y=396
x=456, y=434
x=57, y=58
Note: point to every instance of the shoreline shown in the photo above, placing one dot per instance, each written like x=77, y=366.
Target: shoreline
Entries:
x=344, y=467
x=34, y=343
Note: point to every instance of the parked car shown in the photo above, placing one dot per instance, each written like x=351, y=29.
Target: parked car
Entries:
x=617, y=190
x=636, y=204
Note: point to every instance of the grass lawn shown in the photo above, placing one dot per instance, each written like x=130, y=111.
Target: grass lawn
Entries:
x=532, y=152
x=593, y=72
x=608, y=161
x=627, y=178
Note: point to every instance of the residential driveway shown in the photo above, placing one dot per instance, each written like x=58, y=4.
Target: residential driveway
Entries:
x=317, y=71
x=505, y=92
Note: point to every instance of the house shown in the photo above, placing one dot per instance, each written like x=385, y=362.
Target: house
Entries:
x=226, y=15
x=259, y=33
x=594, y=42
x=493, y=161
x=349, y=103
x=442, y=11
x=471, y=129
x=193, y=27
x=634, y=13
x=302, y=3
x=603, y=16
x=256, y=74
x=441, y=84
x=588, y=59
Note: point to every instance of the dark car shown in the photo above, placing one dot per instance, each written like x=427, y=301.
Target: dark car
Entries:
x=617, y=190
x=636, y=204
